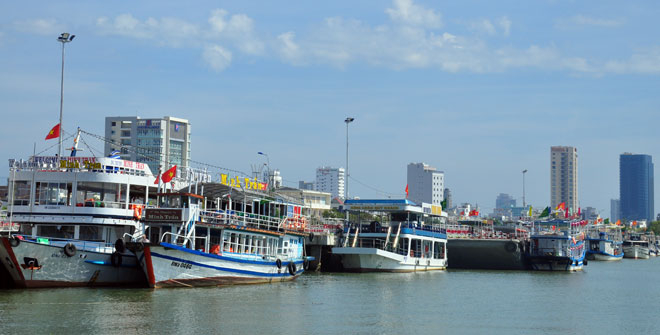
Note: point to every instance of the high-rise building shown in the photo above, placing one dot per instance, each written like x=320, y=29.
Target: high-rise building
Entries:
x=425, y=184
x=615, y=210
x=447, y=196
x=564, y=177
x=636, y=187
x=158, y=141
x=330, y=180
x=306, y=185
x=505, y=201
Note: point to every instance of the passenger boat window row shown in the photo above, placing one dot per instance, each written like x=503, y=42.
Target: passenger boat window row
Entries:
x=82, y=194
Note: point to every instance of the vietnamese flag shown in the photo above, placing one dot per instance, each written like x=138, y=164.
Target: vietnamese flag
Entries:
x=54, y=133
x=169, y=175
x=406, y=191
x=156, y=181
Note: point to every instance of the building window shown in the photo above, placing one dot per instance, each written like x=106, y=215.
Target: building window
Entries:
x=114, y=124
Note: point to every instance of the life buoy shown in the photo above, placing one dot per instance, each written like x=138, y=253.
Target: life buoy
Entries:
x=137, y=212
x=292, y=268
x=116, y=259
x=14, y=241
x=278, y=263
x=215, y=249
x=69, y=249
x=120, y=246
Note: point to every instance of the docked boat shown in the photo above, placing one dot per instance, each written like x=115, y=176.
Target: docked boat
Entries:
x=557, y=245
x=258, y=240
x=653, y=244
x=605, y=243
x=411, y=238
x=73, y=213
x=473, y=244
x=636, y=246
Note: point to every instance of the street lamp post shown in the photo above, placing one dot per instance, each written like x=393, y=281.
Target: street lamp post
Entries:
x=64, y=39
x=523, y=173
x=348, y=120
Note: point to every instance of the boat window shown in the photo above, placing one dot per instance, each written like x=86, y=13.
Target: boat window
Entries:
x=54, y=231
x=90, y=233
x=415, y=248
x=21, y=193
x=94, y=194
x=438, y=250
x=402, y=248
x=49, y=193
x=428, y=248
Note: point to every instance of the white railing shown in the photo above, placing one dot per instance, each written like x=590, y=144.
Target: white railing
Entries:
x=186, y=239
x=252, y=220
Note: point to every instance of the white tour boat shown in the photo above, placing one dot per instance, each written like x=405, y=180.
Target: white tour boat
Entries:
x=73, y=213
x=259, y=240
x=636, y=246
x=413, y=238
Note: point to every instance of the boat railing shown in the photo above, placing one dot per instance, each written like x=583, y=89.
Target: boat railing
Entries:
x=257, y=221
x=182, y=240
x=96, y=246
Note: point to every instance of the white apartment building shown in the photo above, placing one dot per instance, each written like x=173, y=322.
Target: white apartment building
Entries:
x=425, y=184
x=330, y=180
x=564, y=177
x=154, y=141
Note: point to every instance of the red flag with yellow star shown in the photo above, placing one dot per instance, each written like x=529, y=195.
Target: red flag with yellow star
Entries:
x=169, y=175
x=54, y=133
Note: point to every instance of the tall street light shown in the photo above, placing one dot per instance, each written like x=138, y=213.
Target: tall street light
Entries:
x=64, y=39
x=348, y=120
x=267, y=165
x=523, y=173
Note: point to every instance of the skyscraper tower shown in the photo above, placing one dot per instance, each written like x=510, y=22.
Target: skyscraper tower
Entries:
x=636, y=187
x=564, y=177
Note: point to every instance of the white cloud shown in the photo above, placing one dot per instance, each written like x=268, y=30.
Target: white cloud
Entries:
x=642, y=62
x=166, y=31
x=40, y=26
x=501, y=26
x=217, y=57
x=233, y=31
x=288, y=48
x=406, y=12
x=584, y=20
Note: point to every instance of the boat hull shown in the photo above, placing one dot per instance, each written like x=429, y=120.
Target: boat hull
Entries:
x=377, y=260
x=603, y=256
x=487, y=254
x=555, y=263
x=167, y=265
x=37, y=265
x=636, y=252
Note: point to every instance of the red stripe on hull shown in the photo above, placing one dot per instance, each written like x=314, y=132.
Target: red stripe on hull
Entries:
x=151, y=279
x=10, y=251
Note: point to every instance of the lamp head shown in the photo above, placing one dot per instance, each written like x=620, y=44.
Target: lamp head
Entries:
x=349, y=119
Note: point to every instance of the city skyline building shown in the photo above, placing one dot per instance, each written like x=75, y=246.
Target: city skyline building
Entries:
x=504, y=200
x=615, y=210
x=330, y=180
x=564, y=177
x=447, y=198
x=425, y=184
x=305, y=185
x=636, y=187
x=158, y=142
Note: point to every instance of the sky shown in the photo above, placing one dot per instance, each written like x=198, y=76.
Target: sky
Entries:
x=478, y=89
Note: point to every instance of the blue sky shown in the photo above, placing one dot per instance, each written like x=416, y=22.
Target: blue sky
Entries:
x=478, y=89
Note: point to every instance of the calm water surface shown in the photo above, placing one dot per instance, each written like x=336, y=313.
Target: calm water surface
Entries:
x=607, y=298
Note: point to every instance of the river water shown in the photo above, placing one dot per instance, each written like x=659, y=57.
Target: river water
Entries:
x=606, y=298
